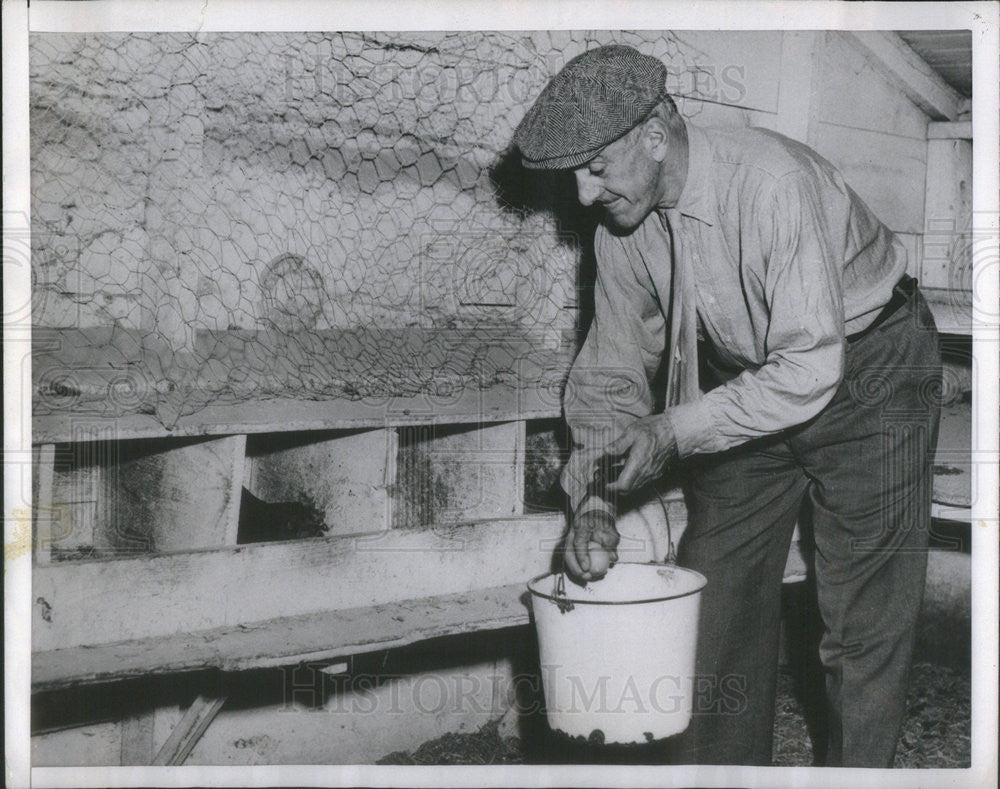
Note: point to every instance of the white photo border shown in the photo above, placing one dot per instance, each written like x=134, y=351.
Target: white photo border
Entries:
x=274, y=15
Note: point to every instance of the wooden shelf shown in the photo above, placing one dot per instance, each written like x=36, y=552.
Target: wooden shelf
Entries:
x=287, y=640
x=94, y=384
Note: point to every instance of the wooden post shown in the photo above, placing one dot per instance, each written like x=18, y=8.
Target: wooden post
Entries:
x=520, y=447
x=237, y=481
x=796, y=100
x=137, y=738
x=43, y=509
x=946, y=264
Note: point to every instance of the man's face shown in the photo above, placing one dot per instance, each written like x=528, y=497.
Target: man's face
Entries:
x=624, y=180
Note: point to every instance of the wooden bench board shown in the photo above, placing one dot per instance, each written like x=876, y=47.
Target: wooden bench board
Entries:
x=286, y=640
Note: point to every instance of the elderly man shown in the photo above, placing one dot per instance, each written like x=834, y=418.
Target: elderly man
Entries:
x=816, y=382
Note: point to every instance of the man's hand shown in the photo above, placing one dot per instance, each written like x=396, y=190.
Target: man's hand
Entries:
x=651, y=446
x=591, y=529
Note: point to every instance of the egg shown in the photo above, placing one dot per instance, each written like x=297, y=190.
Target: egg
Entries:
x=600, y=559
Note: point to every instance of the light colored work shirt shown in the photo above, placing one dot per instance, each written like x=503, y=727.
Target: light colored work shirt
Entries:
x=772, y=256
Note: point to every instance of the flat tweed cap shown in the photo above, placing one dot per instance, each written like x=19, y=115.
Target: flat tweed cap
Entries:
x=595, y=99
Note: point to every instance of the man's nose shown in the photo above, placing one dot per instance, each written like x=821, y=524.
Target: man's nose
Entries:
x=587, y=187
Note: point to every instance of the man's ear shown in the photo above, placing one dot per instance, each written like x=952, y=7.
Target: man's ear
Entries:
x=656, y=138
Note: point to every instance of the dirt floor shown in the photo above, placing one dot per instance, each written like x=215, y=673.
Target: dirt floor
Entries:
x=936, y=733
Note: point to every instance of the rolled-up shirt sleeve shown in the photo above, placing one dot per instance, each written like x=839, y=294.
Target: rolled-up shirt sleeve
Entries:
x=609, y=383
x=804, y=358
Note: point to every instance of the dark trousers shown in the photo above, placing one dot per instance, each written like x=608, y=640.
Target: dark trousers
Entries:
x=865, y=465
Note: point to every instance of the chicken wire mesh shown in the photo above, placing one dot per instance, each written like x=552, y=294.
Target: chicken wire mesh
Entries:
x=218, y=218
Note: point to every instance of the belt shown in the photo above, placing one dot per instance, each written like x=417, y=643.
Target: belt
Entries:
x=901, y=293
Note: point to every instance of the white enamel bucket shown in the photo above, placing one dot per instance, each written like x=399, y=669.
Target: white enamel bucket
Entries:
x=617, y=655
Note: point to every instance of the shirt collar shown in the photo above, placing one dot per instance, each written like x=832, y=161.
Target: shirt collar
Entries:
x=697, y=199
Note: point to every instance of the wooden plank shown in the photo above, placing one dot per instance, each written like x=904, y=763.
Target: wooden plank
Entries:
x=106, y=600
x=186, y=734
x=949, y=130
x=137, y=738
x=372, y=389
x=171, y=497
x=918, y=80
x=497, y=404
x=949, y=185
x=44, y=511
x=318, y=636
x=237, y=481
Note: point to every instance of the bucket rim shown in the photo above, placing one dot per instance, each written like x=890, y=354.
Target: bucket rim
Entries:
x=702, y=583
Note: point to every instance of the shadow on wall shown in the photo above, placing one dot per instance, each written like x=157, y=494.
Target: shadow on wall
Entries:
x=521, y=191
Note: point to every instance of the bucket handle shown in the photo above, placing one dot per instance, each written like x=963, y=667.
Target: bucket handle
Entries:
x=609, y=469
x=559, y=594
x=671, y=557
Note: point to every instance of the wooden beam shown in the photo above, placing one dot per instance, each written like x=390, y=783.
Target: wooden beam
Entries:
x=187, y=733
x=285, y=641
x=949, y=130
x=106, y=600
x=500, y=403
x=521, y=368
x=910, y=72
